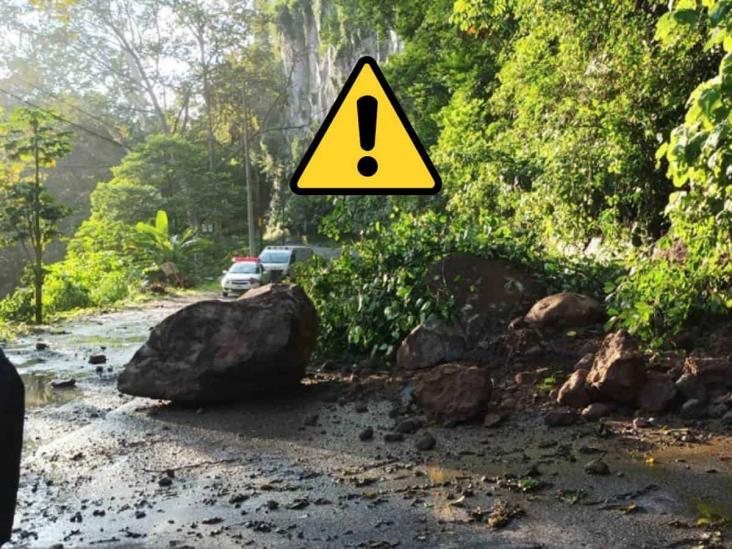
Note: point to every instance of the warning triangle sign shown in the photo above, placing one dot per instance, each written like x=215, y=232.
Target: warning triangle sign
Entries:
x=366, y=145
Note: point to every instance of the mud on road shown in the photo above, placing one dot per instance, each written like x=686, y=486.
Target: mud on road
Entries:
x=105, y=470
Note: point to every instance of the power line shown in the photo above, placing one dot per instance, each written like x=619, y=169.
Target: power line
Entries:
x=59, y=98
x=62, y=119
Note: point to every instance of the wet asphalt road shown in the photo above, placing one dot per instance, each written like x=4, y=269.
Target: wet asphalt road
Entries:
x=105, y=470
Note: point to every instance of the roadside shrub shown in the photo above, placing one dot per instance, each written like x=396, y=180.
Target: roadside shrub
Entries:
x=371, y=297
x=65, y=292
x=376, y=292
x=671, y=290
x=18, y=306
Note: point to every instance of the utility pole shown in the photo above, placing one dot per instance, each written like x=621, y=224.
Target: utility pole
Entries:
x=251, y=230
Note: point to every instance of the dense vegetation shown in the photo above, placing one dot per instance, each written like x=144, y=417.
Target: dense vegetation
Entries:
x=586, y=141
x=564, y=137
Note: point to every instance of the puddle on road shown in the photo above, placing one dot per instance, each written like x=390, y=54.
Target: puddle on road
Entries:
x=38, y=391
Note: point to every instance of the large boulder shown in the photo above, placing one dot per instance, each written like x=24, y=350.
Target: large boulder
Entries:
x=453, y=392
x=619, y=371
x=491, y=287
x=428, y=345
x=574, y=392
x=564, y=310
x=220, y=351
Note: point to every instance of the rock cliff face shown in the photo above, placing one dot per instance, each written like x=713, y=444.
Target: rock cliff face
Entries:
x=318, y=48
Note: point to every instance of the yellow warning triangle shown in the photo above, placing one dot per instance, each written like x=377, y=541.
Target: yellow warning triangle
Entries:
x=366, y=145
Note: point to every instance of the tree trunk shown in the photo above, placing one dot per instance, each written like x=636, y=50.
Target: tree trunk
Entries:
x=37, y=238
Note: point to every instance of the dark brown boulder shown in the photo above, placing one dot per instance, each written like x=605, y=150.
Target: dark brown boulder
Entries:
x=219, y=351
x=619, y=371
x=564, y=310
x=428, y=345
x=711, y=371
x=492, y=287
x=561, y=418
x=574, y=392
x=657, y=394
x=453, y=392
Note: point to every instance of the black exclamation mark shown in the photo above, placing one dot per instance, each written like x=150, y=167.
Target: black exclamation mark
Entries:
x=367, y=107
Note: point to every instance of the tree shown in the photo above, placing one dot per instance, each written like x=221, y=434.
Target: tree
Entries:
x=32, y=142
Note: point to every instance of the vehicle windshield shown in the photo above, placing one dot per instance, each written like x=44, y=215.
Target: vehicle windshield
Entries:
x=273, y=256
x=243, y=267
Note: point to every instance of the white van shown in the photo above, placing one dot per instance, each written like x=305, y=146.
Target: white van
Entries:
x=279, y=259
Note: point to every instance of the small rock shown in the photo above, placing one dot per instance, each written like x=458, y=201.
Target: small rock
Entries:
x=493, y=419
x=409, y=426
x=393, y=437
x=585, y=363
x=63, y=383
x=598, y=410
x=366, y=434
x=559, y=418
x=507, y=403
x=311, y=420
x=525, y=378
x=690, y=387
x=727, y=418
x=693, y=409
x=41, y=346
x=574, y=392
x=597, y=467
x=140, y=515
x=717, y=410
x=100, y=369
x=165, y=481
x=238, y=498
x=97, y=359
x=272, y=505
x=425, y=442
x=329, y=366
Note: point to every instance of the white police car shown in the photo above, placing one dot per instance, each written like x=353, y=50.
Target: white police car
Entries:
x=244, y=274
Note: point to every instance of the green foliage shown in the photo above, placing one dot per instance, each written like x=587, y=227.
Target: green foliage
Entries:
x=666, y=292
x=154, y=243
x=19, y=306
x=32, y=141
x=376, y=292
x=544, y=119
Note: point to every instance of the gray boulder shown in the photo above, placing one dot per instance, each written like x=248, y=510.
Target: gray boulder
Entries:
x=428, y=345
x=221, y=351
x=564, y=310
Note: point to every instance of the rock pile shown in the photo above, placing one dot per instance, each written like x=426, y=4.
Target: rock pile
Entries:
x=456, y=369
x=621, y=376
